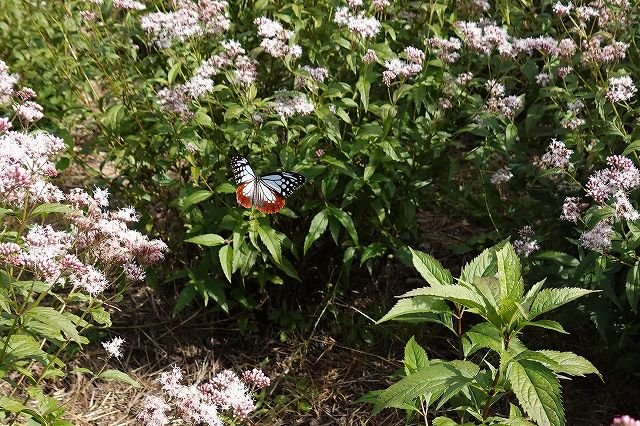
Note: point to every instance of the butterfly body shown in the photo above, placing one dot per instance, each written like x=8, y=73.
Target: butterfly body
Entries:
x=268, y=192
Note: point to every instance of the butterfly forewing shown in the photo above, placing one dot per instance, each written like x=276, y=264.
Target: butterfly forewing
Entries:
x=267, y=192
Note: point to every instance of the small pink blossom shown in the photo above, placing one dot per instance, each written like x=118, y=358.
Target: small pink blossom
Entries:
x=621, y=89
x=598, y=238
x=572, y=209
x=370, y=57
x=501, y=176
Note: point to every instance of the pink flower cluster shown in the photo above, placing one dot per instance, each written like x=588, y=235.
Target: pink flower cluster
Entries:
x=498, y=103
x=621, y=175
x=357, y=22
x=572, y=209
x=404, y=69
x=226, y=394
x=621, y=89
x=599, y=238
x=27, y=110
x=625, y=421
x=175, y=100
x=286, y=106
x=501, y=176
x=188, y=19
x=311, y=77
x=128, y=5
x=557, y=156
x=276, y=41
x=594, y=53
x=445, y=50
x=606, y=12
x=525, y=244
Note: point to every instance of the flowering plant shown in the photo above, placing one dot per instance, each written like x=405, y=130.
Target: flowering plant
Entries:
x=492, y=288
x=64, y=257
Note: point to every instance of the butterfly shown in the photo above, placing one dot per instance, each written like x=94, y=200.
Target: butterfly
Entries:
x=267, y=192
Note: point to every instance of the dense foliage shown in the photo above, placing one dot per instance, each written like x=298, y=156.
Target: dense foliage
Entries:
x=517, y=115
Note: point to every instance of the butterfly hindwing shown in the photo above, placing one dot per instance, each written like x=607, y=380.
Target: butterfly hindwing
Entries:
x=267, y=192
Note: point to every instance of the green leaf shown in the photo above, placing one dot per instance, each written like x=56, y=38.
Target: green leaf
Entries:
x=11, y=405
x=195, y=198
x=363, y=87
x=548, y=324
x=416, y=305
x=478, y=267
x=202, y=118
x=432, y=379
x=22, y=346
x=346, y=221
x=317, y=228
x=371, y=251
x=50, y=324
x=209, y=240
x=430, y=269
x=45, y=209
x=511, y=285
x=119, y=376
x=101, y=316
x=4, y=212
x=415, y=356
x=570, y=363
x=455, y=293
x=632, y=286
x=272, y=241
x=226, y=261
x=538, y=391
x=483, y=335
x=552, y=298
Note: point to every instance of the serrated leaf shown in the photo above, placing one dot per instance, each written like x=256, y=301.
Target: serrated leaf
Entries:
x=416, y=305
x=478, y=267
x=209, y=240
x=430, y=269
x=552, y=298
x=431, y=379
x=226, y=261
x=272, y=241
x=195, y=198
x=119, y=376
x=11, y=405
x=455, y=293
x=548, y=324
x=570, y=363
x=415, y=356
x=22, y=346
x=317, y=228
x=538, y=391
x=511, y=285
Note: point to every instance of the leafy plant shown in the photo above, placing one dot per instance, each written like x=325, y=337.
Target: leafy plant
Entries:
x=494, y=362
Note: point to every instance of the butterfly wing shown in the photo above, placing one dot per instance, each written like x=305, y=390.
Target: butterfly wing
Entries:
x=246, y=180
x=273, y=188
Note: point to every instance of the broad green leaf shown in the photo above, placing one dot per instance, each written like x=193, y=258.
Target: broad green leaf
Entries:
x=511, y=285
x=209, y=240
x=432, y=379
x=195, y=198
x=22, y=346
x=570, y=363
x=430, y=269
x=101, y=316
x=552, y=298
x=317, y=228
x=455, y=293
x=4, y=212
x=486, y=335
x=118, y=376
x=538, y=391
x=415, y=356
x=416, y=305
x=479, y=266
x=346, y=221
x=371, y=251
x=11, y=405
x=272, y=241
x=632, y=286
x=363, y=87
x=45, y=209
x=202, y=118
x=226, y=261
x=531, y=294
x=50, y=323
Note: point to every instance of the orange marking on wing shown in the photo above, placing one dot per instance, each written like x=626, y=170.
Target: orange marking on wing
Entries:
x=272, y=207
x=243, y=200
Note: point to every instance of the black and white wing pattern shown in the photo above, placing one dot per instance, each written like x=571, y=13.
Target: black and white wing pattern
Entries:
x=267, y=192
